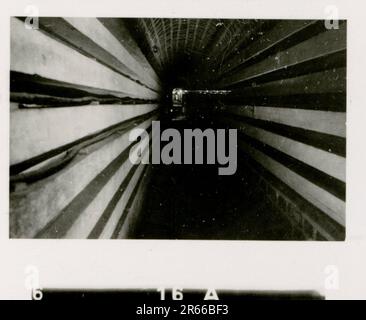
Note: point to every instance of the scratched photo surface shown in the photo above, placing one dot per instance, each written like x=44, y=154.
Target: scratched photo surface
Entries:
x=158, y=128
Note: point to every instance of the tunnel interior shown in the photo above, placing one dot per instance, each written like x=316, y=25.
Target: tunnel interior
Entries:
x=191, y=201
x=280, y=83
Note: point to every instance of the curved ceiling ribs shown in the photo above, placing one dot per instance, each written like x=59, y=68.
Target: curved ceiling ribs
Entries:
x=193, y=48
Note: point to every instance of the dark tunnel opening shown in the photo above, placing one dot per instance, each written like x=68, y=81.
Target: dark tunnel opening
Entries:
x=192, y=201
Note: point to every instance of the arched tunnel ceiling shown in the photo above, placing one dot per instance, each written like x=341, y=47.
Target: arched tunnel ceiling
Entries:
x=192, y=52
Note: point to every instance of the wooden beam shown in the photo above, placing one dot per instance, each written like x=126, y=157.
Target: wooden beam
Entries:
x=37, y=206
x=90, y=37
x=33, y=52
x=326, y=202
x=127, y=37
x=331, y=164
x=327, y=81
x=329, y=43
x=36, y=131
x=329, y=122
x=282, y=33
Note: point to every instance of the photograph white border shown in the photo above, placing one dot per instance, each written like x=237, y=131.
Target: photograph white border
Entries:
x=234, y=265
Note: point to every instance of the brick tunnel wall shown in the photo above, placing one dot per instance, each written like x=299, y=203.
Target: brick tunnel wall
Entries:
x=78, y=86
x=291, y=115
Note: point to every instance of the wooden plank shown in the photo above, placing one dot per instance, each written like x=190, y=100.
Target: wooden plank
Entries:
x=64, y=31
x=117, y=27
x=329, y=163
x=334, y=186
x=33, y=85
x=327, y=81
x=33, y=52
x=320, y=46
x=129, y=218
x=86, y=221
x=102, y=37
x=116, y=220
x=35, y=131
x=321, y=121
x=115, y=217
x=326, y=202
x=282, y=32
x=33, y=208
x=322, y=141
x=297, y=206
x=93, y=219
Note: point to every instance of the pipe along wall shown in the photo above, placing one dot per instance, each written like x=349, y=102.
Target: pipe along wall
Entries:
x=80, y=85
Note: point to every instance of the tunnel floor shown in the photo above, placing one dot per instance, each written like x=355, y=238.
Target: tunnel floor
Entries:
x=194, y=202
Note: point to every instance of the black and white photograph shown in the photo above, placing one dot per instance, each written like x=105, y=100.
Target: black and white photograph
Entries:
x=222, y=140
x=238, y=128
